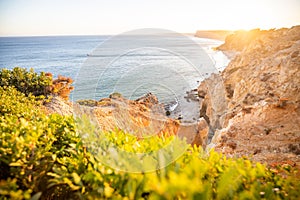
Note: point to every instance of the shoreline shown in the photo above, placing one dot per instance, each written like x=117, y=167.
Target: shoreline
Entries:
x=189, y=111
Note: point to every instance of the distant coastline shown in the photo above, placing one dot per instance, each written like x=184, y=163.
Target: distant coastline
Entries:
x=213, y=34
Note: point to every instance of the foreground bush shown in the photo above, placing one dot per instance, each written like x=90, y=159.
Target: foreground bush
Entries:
x=27, y=82
x=40, y=85
x=43, y=157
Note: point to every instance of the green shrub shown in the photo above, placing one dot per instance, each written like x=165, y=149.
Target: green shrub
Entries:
x=45, y=157
x=15, y=103
x=88, y=102
x=29, y=142
x=115, y=95
x=213, y=176
x=40, y=85
x=27, y=82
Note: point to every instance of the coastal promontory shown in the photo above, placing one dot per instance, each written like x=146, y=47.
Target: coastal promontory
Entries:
x=253, y=106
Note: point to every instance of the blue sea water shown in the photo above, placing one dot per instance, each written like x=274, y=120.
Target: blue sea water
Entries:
x=57, y=54
x=160, y=72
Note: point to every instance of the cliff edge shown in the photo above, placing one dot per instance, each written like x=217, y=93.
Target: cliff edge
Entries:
x=253, y=106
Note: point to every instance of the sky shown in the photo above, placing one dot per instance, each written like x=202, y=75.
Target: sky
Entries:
x=96, y=17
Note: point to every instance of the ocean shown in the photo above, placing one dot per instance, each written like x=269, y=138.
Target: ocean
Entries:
x=165, y=65
x=56, y=54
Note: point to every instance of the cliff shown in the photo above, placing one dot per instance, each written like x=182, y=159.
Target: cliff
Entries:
x=213, y=34
x=142, y=117
x=58, y=105
x=238, y=40
x=253, y=106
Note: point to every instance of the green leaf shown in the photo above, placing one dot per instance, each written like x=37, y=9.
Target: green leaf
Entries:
x=15, y=164
x=76, y=178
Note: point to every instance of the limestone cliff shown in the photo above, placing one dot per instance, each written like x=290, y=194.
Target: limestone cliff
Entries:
x=58, y=105
x=253, y=106
x=144, y=116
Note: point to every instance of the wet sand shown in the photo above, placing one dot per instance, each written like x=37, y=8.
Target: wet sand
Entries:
x=188, y=109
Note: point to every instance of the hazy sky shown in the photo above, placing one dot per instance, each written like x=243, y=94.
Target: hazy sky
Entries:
x=85, y=17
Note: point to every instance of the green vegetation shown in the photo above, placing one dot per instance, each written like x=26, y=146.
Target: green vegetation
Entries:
x=87, y=102
x=40, y=85
x=26, y=82
x=115, y=95
x=44, y=157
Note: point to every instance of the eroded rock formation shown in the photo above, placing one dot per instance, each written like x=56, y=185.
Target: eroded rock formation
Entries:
x=58, y=105
x=144, y=116
x=253, y=106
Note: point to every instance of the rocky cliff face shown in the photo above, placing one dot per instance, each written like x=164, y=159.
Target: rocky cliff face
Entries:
x=58, y=105
x=144, y=116
x=141, y=117
x=253, y=106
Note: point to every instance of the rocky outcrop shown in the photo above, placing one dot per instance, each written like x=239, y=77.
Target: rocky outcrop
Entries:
x=194, y=133
x=238, y=40
x=213, y=110
x=253, y=106
x=58, y=105
x=200, y=138
x=266, y=132
x=142, y=117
